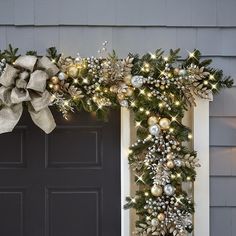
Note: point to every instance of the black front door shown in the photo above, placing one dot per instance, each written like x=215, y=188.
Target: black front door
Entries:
x=63, y=184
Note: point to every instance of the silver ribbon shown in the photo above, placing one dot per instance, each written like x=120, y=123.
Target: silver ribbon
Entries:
x=26, y=82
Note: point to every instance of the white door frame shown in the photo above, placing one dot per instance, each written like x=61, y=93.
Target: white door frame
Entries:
x=200, y=129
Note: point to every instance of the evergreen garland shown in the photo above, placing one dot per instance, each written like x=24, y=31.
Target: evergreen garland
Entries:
x=158, y=89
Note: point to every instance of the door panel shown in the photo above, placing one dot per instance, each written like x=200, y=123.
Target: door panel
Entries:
x=66, y=183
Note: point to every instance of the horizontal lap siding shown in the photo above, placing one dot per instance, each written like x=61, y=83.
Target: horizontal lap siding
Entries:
x=143, y=26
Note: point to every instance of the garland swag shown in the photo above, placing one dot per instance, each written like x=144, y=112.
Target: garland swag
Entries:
x=157, y=88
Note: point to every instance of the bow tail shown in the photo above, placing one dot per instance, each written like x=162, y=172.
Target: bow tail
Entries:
x=43, y=119
x=9, y=117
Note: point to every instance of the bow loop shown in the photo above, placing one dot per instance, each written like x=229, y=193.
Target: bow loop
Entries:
x=26, y=82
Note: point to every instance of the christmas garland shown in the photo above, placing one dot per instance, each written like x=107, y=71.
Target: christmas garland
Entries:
x=157, y=88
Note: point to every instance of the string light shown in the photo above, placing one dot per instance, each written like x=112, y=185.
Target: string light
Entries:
x=138, y=123
x=147, y=112
x=85, y=80
x=160, y=104
x=178, y=175
x=140, y=178
x=211, y=77
x=188, y=178
x=177, y=103
x=132, y=104
x=171, y=130
x=141, y=109
x=146, y=194
x=75, y=81
x=205, y=82
x=190, y=136
x=130, y=151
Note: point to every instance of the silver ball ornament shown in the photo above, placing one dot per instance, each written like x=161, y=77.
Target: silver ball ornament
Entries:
x=182, y=72
x=169, y=190
x=62, y=76
x=154, y=130
x=154, y=222
x=178, y=162
x=137, y=81
x=156, y=190
x=124, y=103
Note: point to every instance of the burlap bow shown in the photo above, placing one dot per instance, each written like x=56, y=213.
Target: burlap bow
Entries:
x=25, y=81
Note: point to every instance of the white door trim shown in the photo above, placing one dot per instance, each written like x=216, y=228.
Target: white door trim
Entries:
x=201, y=185
x=125, y=171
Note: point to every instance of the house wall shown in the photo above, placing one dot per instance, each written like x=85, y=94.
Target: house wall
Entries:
x=140, y=26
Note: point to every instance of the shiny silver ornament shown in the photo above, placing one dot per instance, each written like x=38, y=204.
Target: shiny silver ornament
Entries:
x=156, y=190
x=62, y=76
x=154, y=222
x=137, y=81
x=154, y=130
x=182, y=72
x=178, y=162
x=124, y=103
x=169, y=190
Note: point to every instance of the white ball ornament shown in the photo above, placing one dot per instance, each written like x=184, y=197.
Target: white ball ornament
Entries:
x=62, y=76
x=182, y=72
x=169, y=190
x=152, y=120
x=137, y=81
x=154, y=222
x=156, y=190
x=124, y=103
x=164, y=123
x=178, y=162
x=154, y=130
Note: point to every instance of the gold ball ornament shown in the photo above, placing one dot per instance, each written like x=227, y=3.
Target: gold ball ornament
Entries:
x=127, y=79
x=120, y=96
x=176, y=71
x=129, y=92
x=73, y=71
x=114, y=89
x=152, y=120
x=164, y=123
x=169, y=156
x=170, y=164
x=54, y=80
x=160, y=216
x=56, y=87
x=156, y=190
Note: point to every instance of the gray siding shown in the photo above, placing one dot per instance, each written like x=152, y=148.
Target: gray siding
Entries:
x=141, y=26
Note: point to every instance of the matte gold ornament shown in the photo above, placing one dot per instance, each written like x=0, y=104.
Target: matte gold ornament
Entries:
x=164, y=123
x=54, y=80
x=169, y=156
x=56, y=87
x=73, y=71
x=120, y=96
x=127, y=79
x=129, y=92
x=170, y=164
x=176, y=71
x=114, y=89
x=161, y=216
x=152, y=120
x=156, y=190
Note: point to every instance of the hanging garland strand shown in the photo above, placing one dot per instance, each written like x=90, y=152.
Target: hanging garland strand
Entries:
x=157, y=88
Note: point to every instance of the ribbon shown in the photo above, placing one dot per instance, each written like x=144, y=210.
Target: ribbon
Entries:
x=25, y=82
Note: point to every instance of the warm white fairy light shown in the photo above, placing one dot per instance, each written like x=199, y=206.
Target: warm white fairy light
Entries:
x=140, y=178
x=190, y=136
x=141, y=109
x=138, y=123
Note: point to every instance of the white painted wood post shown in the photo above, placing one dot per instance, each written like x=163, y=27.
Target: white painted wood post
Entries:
x=125, y=171
x=201, y=185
